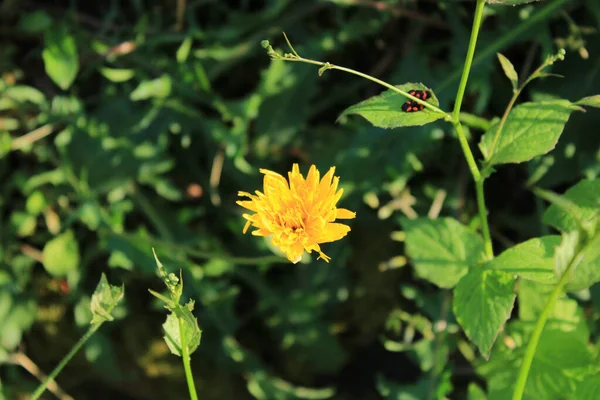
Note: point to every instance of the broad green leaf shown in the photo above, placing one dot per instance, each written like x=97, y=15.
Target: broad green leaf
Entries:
x=589, y=389
x=22, y=94
x=509, y=70
x=441, y=250
x=566, y=315
x=60, y=56
x=117, y=75
x=587, y=271
x=532, y=260
x=61, y=254
x=585, y=196
x=159, y=87
x=191, y=330
x=531, y=129
x=566, y=251
x=36, y=203
x=5, y=143
x=559, y=364
x=385, y=110
x=483, y=301
x=104, y=300
x=590, y=101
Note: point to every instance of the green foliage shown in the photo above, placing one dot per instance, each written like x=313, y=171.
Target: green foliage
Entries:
x=483, y=301
x=531, y=129
x=385, y=110
x=132, y=125
x=441, y=250
x=181, y=327
x=60, y=56
x=61, y=254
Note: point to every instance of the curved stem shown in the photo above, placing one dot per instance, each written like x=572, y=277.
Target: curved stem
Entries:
x=327, y=65
x=537, y=332
x=185, y=356
x=38, y=392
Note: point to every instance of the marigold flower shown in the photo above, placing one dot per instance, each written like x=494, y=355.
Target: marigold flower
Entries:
x=297, y=215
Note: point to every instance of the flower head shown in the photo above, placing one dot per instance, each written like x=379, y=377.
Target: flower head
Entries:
x=299, y=214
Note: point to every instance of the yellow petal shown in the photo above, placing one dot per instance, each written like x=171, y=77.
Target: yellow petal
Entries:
x=342, y=213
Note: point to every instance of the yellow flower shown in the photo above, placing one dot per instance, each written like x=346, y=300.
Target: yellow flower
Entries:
x=297, y=215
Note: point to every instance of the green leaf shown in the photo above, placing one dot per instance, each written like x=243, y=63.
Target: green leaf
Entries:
x=159, y=88
x=36, y=203
x=590, y=101
x=560, y=362
x=61, y=254
x=509, y=70
x=441, y=249
x=589, y=389
x=117, y=75
x=104, y=300
x=531, y=129
x=60, y=56
x=35, y=22
x=385, y=110
x=587, y=270
x=585, y=206
x=191, y=330
x=474, y=392
x=483, y=301
x=566, y=315
x=184, y=50
x=532, y=260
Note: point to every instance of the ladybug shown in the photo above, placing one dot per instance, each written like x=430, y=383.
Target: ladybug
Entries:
x=420, y=94
x=413, y=106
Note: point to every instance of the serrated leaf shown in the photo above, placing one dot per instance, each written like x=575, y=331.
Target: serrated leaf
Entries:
x=531, y=129
x=61, y=254
x=532, y=260
x=104, y=300
x=385, y=109
x=191, y=330
x=159, y=88
x=509, y=70
x=60, y=56
x=590, y=101
x=585, y=206
x=483, y=301
x=117, y=74
x=441, y=250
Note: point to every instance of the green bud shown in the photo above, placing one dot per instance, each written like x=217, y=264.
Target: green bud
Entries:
x=265, y=44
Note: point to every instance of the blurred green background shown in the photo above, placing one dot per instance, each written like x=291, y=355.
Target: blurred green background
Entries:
x=127, y=125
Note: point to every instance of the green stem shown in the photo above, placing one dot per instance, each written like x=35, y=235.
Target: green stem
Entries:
x=327, y=65
x=38, y=392
x=185, y=356
x=464, y=144
x=469, y=59
x=537, y=332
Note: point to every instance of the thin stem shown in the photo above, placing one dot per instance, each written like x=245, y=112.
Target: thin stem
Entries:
x=327, y=65
x=32, y=136
x=469, y=59
x=464, y=144
x=185, y=356
x=485, y=229
x=537, y=332
x=38, y=392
